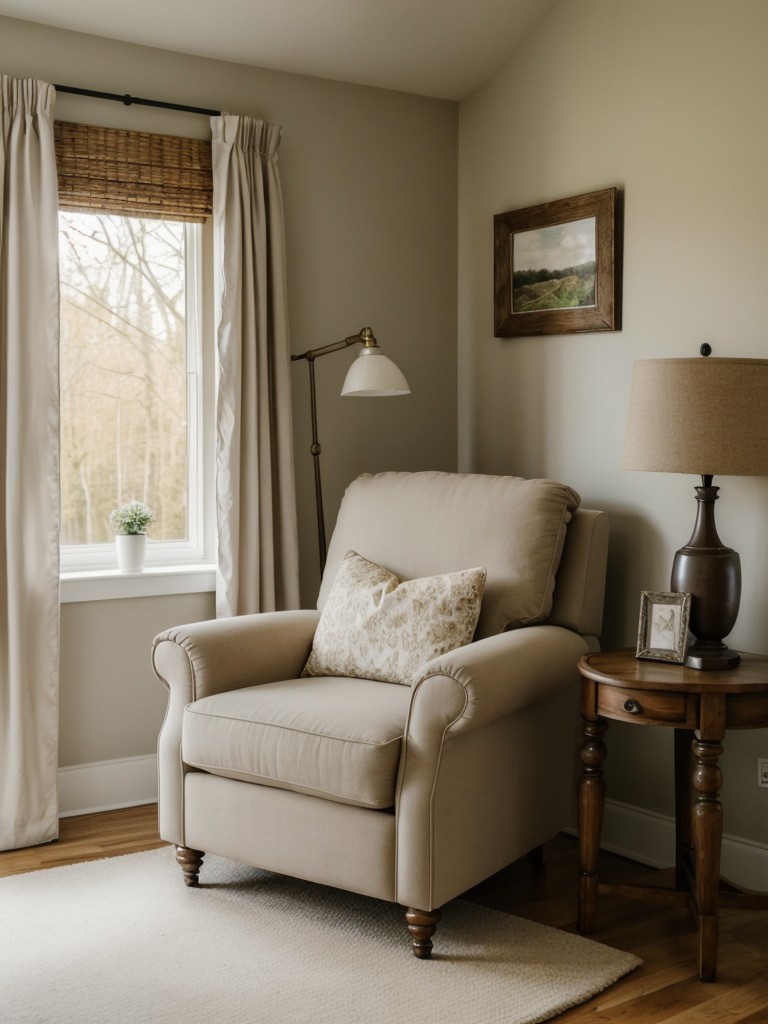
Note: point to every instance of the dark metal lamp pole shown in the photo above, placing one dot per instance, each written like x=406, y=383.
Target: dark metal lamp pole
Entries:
x=367, y=377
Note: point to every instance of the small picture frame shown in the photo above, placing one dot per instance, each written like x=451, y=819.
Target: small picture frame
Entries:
x=663, y=630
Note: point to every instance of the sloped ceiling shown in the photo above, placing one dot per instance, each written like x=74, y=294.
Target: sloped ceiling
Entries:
x=440, y=48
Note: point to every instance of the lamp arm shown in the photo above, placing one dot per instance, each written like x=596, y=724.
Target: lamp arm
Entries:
x=363, y=337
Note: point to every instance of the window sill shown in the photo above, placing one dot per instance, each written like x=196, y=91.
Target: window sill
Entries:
x=155, y=581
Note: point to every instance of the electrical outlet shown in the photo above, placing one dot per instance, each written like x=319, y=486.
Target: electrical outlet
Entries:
x=762, y=772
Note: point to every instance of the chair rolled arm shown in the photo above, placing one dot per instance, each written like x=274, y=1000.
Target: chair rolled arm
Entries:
x=474, y=686
x=205, y=658
x=227, y=654
x=490, y=678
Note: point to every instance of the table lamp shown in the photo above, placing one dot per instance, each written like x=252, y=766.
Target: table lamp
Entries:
x=371, y=375
x=705, y=416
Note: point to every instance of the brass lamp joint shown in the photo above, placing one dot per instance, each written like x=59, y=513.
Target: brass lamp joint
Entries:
x=366, y=337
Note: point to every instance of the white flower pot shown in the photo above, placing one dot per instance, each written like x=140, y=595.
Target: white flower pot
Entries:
x=131, y=551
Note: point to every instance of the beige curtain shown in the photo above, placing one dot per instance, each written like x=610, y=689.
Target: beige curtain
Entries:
x=255, y=491
x=29, y=487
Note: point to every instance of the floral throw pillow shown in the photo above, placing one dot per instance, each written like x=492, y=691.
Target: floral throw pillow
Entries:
x=374, y=626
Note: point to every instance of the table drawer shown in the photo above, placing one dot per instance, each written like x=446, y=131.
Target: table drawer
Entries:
x=649, y=706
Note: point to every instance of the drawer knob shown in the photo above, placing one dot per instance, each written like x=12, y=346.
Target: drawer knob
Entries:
x=634, y=707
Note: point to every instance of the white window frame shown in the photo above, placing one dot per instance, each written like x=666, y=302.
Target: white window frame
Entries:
x=80, y=562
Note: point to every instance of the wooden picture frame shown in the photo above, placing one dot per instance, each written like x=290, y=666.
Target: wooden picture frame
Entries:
x=663, y=629
x=564, y=297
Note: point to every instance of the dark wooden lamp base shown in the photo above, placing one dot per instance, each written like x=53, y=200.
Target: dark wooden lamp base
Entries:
x=711, y=657
x=711, y=574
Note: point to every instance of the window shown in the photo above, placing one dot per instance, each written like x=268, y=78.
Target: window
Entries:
x=130, y=383
x=135, y=401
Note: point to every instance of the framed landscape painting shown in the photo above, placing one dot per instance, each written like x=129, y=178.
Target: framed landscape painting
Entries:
x=556, y=267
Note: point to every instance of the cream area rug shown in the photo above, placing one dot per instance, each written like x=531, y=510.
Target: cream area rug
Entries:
x=123, y=941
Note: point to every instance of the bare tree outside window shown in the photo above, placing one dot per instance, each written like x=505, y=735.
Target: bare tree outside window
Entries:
x=124, y=369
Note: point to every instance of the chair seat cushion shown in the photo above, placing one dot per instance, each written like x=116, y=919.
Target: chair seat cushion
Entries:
x=336, y=738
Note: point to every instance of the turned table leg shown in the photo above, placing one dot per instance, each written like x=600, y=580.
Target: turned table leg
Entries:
x=421, y=926
x=707, y=839
x=190, y=862
x=591, y=803
x=683, y=805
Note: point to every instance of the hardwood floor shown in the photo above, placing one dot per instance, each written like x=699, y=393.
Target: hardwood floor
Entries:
x=665, y=990
x=89, y=837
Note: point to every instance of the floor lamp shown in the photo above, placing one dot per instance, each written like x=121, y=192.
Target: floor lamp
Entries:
x=371, y=375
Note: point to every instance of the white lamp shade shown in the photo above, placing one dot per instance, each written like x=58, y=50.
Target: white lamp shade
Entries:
x=373, y=375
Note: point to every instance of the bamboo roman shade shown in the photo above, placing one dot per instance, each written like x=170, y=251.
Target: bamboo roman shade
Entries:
x=135, y=174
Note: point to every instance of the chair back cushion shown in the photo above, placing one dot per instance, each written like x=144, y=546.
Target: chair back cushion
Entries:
x=578, y=601
x=429, y=523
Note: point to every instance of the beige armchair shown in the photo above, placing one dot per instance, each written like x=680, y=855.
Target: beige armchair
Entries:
x=409, y=791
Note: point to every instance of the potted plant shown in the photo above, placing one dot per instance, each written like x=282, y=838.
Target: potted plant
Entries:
x=130, y=522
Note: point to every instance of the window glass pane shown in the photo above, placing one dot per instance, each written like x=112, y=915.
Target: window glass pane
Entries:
x=124, y=430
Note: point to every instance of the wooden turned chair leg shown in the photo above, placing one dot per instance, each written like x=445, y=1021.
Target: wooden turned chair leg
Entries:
x=190, y=861
x=421, y=926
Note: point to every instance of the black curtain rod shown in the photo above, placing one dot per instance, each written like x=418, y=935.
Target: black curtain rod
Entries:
x=128, y=100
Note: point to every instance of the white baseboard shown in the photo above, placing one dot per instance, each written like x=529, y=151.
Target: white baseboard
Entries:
x=650, y=839
x=106, y=785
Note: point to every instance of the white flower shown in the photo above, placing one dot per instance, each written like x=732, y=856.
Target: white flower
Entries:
x=133, y=517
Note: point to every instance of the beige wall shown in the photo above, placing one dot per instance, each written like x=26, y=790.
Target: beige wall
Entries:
x=111, y=705
x=666, y=100
x=370, y=190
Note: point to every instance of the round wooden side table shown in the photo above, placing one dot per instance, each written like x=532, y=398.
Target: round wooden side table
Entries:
x=700, y=707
